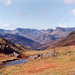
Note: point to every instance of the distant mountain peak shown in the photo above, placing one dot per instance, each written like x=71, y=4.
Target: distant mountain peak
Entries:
x=60, y=28
x=50, y=30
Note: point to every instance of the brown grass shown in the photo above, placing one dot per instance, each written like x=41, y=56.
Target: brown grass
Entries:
x=4, y=57
x=62, y=65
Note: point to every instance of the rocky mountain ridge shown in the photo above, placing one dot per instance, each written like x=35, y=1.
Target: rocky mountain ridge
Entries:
x=41, y=36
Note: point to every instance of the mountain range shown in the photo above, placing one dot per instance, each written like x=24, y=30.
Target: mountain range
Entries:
x=36, y=39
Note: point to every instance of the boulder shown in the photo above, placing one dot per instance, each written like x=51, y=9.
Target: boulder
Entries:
x=15, y=54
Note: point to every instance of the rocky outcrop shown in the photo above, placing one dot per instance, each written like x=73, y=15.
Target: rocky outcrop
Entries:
x=51, y=53
x=7, y=47
x=15, y=54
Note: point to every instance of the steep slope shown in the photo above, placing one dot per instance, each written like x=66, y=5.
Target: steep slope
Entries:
x=21, y=40
x=68, y=41
x=7, y=47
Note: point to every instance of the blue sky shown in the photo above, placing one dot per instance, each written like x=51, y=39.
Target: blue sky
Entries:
x=37, y=14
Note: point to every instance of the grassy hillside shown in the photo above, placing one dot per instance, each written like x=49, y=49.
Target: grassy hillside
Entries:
x=68, y=41
x=64, y=64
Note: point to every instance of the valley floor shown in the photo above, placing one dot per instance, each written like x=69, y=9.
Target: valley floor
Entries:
x=64, y=64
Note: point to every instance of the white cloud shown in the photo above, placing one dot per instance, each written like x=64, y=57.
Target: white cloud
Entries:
x=73, y=12
x=7, y=3
x=62, y=25
x=69, y=1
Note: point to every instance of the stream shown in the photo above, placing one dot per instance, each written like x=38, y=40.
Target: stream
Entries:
x=16, y=62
